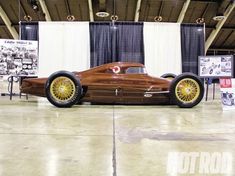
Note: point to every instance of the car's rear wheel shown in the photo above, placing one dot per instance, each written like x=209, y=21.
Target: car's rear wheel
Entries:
x=169, y=76
x=186, y=90
x=63, y=89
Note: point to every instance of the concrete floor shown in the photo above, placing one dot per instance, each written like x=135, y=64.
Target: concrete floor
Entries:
x=38, y=139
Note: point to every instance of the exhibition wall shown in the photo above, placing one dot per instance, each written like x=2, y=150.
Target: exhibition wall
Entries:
x=162, y=47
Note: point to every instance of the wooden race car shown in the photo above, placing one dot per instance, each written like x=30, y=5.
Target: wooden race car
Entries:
x=116, y=83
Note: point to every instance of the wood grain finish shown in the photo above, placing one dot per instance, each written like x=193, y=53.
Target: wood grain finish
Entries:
x=113, y=83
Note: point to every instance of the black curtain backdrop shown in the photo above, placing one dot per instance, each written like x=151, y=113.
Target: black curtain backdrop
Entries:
x=113, y=42
x=100, y=43
x=130, y=42
x=29, y=30
x=192, y=46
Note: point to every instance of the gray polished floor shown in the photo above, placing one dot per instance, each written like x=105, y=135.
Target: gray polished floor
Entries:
x=38, y=139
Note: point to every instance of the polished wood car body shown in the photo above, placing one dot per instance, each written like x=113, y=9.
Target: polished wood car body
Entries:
x=119, y=83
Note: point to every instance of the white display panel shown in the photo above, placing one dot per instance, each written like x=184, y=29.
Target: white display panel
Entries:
x=63, y=46
x=18, y=57
x=216, y=66
x=162, y=48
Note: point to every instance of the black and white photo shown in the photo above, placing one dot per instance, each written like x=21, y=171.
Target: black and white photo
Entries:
x=18, y=57
x=216, y=66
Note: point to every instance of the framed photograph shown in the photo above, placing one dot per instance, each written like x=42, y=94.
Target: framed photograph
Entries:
x=227, y=88
x=215, y=66
x=18, y=57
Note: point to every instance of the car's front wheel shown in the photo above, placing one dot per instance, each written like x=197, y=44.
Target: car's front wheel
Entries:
x=186, y=90
x=63, y=89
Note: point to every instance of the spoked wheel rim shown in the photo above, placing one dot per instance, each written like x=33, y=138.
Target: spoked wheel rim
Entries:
x=62, y=89
x=187, y=90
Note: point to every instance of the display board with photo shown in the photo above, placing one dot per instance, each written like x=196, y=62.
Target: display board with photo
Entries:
x=18, y=57
x=216, y=66
x=227, y=87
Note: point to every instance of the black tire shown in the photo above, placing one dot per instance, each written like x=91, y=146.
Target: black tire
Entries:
x=186, y=90
x=169, y=76
x=63, y=89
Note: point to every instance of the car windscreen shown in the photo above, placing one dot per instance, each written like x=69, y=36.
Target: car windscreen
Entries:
x=136, y=70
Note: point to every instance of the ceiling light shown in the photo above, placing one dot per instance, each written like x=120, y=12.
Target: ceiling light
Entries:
x=102, y=14
x=35, y=7
x=34, y=4
x=218, y=17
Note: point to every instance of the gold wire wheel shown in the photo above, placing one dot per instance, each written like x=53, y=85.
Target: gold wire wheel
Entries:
x=187, y=90
x=62, y=89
